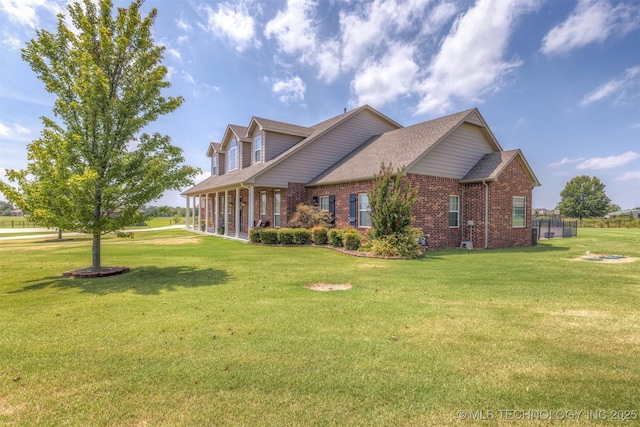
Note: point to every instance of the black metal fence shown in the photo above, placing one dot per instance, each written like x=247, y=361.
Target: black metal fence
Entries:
x=555, y=227
x=17, y=223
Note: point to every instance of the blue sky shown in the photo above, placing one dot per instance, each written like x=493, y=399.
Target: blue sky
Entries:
x=559, y=79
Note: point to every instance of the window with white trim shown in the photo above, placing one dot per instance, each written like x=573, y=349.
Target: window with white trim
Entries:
x=257, y=149
x=519, y=208
x=454, y=211
x=263, y=206
x=364, y=216
x=233, y=156
x=214, y=165
x=276, y=208
x=324, y=203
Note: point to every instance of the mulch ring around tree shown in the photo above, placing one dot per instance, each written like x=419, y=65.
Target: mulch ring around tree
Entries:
x=88, y=272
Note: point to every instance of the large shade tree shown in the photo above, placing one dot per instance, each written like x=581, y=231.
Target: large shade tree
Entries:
x=107, y=76
x=584, y=197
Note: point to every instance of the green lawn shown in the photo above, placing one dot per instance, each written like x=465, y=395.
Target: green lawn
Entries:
x=206, y=331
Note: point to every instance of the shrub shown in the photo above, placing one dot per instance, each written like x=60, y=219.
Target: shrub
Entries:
x=335, y=237
x=319, y=235
x=285, y=236
x=254, y=235
x=402, y=244
x=301, y=236
x=351, y=240
x=307, y=216
x=391, y=202
x=269, y=236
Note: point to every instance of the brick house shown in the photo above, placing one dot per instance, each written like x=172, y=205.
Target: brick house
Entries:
x=471, y=192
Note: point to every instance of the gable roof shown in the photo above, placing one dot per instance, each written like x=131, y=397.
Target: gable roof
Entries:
x=213, y=148
x=279, y=127
x=249, y=174
x=400, y=147
x=491, y=165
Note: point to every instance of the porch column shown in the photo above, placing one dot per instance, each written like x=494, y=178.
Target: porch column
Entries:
x=186, y=213
x=207, y=215
x=251, y=213
x=216, y=219
x=237, y=213
x=225, y=212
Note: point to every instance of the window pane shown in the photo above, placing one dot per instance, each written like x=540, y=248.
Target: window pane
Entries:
x=263, y=206
x=454, y=211
x=276, y=209
x=519, y=208
x=257, y=149
x=364, y=218
x=324, y=203
x=233, y=155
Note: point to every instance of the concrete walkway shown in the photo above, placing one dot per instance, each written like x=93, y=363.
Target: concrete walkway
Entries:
x=53, y=232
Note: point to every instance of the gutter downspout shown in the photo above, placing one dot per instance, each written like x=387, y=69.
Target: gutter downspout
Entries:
x=486, y=214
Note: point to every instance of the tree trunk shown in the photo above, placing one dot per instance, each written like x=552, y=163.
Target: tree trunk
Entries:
x=95, y=252
x=59, y=233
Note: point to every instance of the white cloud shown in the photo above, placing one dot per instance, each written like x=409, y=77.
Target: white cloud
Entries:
x=629, y=176
x=290, y=90
x=173, y=52
x=182, y=24
x=380, y=82
x=294, y=29
x=615, y=86
x=470, y=62
x=27, y=12
x=440, y=15
x=15, y=131
x=234, y=22
x=565, y=161
x=609, y=162
x=11, y=42
x=593, y=21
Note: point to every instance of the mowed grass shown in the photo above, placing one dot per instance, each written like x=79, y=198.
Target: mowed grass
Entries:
x=206, y=331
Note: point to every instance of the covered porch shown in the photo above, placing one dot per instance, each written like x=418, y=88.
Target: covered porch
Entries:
x=232, y=212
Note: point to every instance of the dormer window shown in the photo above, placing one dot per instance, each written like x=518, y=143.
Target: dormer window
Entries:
x=214, y=166
x=233, y=155
x=257, y=149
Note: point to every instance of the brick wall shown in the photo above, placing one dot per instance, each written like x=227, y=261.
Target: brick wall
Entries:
x=513, y=181
x=432, y=208
x=341, y=192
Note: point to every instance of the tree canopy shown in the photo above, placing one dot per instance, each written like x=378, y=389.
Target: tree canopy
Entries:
x=93, y=169
x=584, y=197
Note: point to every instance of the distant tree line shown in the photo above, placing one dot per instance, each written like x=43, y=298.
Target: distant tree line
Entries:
x=5, y=208
x=164, y=211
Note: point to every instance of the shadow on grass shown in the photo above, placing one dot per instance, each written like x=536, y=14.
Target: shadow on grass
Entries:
x=143, y=280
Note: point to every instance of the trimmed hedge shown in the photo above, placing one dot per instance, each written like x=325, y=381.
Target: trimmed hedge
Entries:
x=335, y=237
x=351, y=240
x=301, y=236
x=269, y=236
x=319, y=235
x=285, y=236
x=254, y=235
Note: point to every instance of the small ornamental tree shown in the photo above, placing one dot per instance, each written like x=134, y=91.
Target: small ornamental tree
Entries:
x=107, y=76
x=307, y=216
x=391, y=203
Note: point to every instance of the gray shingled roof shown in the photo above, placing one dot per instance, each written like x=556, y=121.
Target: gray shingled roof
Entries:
x=281, y=127
x=491, y=165
x=249, y=174
x=400, y=147
x=240, y=131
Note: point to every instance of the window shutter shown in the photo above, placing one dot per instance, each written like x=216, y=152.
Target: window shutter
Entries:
x=332, y=209
x=315, y=201
x=353, y=209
